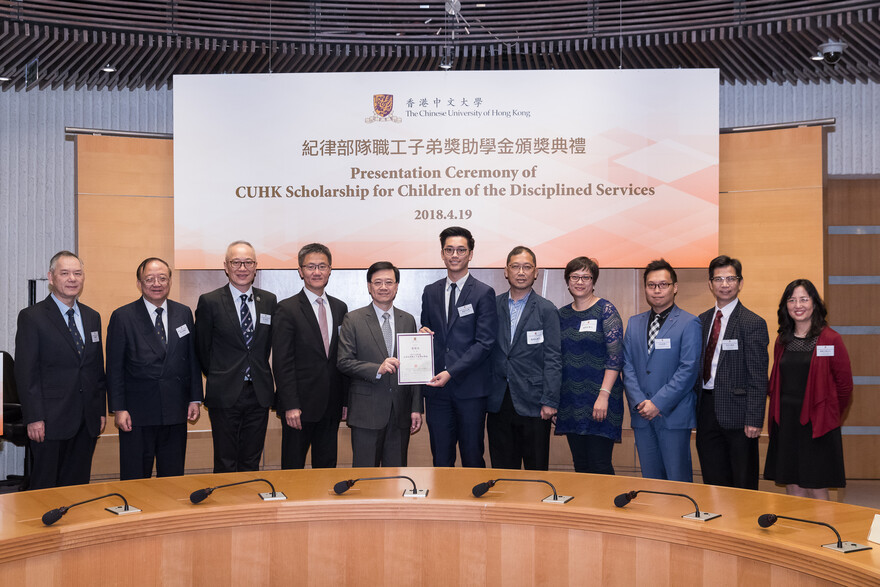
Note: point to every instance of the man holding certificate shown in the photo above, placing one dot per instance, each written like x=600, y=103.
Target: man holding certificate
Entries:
x=382, y=414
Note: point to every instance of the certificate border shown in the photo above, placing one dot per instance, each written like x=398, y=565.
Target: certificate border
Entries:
x=400, y=380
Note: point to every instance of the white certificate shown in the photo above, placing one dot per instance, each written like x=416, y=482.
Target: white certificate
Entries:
x=415, y=351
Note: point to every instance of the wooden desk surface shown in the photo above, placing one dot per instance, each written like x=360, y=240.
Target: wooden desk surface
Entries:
x=511, y=516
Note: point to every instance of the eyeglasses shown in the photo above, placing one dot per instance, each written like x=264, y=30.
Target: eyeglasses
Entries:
x=801, y=300
x=730, y=279
x=524, y=268
x=381, y=282
x=151, y=279
x=460, y=251
x=237, y=264
x=662, y=286
x=312, y=267
x=580, y=278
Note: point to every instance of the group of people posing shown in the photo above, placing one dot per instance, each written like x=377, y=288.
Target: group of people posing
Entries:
x=506, y=366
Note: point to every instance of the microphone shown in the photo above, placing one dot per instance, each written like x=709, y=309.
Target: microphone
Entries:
x=480, y=489
x=344, y=486
x=624, y=498
x=767, y=520
x=53, y=516
x=199, y=495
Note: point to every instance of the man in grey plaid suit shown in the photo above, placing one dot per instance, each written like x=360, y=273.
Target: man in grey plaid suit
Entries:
x=732, y=387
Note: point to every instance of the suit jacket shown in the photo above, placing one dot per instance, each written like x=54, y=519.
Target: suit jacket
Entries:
x=153, y=382
x=372, y=402
x=305, y=377
x=55, y=384
x=740, y=392
x=667, y=377
x=533, y=371
x=462, y=346
x=223, y=353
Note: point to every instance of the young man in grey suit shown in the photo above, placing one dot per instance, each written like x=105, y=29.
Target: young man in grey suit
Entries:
x=311, y=391
x=526, y=368
x=59, y=369
x=233, y=341
x=732, y=388
x=154, y=381
x=381, y=414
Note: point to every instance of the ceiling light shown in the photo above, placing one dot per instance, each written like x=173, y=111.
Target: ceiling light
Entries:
x=818, y=56
x=108, y=68
x=3, y=78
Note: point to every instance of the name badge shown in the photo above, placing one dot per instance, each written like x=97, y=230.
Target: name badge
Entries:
x=588, y=325
x=825, y=350
x=662, y=343
x=730, y=345
x=465, y=310
x=182, y=331
x=265, y=318
x=534, y=336
x=95, y=336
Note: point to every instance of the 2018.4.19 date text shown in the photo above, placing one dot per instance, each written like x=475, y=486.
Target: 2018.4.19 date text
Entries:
x=442, y=214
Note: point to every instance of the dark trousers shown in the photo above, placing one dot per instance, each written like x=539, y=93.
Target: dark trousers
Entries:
x=591, y=453
x=727, y=457
x=454, y=421
x=239, y=433
x=320, y=436
x=62, y=462
x=516, y=441
x=144, y=445
x=385, y=447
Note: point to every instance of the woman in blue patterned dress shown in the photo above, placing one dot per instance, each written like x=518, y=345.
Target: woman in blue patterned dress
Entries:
x=591, y=403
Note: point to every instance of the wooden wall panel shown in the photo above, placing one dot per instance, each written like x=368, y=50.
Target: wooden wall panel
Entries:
x=846, y=253
x=770, y=160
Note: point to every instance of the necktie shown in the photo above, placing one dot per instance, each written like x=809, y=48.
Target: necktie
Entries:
x=247, y=329
x=77, y=339
x=160, y=327
x=322, y=324
x=451, y=311
x=652, y=333
x=710, y=347
x=386, y=332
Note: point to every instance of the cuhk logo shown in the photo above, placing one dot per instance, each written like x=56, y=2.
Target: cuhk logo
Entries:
x=383, y=105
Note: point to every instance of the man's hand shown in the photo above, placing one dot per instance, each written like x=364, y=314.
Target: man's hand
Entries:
x=648, y=410
x=547, y=412
x=103, y=424
x=426, y=330
x=416, y=424
x=440, y=379
x=389, y=365
x=123, y=420
x=344, y=413
x=37, y=431
x=293, y=418
x=752, y=431
x=192, y=413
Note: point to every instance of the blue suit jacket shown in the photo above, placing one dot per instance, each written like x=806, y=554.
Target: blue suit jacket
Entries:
x=533, y=371
x=153, y=382
x=463, y=346
x=667, y=377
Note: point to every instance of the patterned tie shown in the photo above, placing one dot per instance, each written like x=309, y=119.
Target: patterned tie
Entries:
x=386, y=332
x=710, y=347
x=247, y=329
x=652, y=333
x=451, y=311
x=160, y=327
x=322, y=324
x=77, y=339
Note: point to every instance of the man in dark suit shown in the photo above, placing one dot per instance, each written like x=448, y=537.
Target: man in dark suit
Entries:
x=153, y=376
x=460, y=311
x=311, y=392
x=526, y=369
x=661, y=350
x=732, y=388
x=381, y=414
x=59, y=371
x=233, y=341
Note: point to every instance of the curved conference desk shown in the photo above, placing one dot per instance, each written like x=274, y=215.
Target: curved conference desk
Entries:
x=371, y=535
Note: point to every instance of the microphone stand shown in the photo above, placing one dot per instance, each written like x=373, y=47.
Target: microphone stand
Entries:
x=344, y=486
x=481, y=488
x=624, y=498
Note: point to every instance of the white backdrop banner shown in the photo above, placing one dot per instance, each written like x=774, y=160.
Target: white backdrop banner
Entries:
x=617, y=165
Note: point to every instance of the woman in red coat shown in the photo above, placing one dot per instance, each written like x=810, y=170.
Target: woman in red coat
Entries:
x=810, y=387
